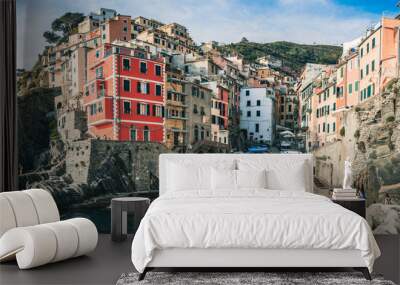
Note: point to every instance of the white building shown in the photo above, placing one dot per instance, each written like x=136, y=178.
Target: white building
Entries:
x=257, y=106
x=269, y=60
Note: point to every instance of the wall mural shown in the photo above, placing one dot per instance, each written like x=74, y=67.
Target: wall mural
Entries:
x=111, y=91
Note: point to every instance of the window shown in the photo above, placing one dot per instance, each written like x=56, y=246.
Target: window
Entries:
x=333, y=126
x=97, y=53
x=202, y=94
x=367, y=47
x=327, y=128
x=143, y=67
x=373, y=65
x=369, y=92
x=195, y=109
x=258, y=102
x=127, y=85
x=247, y=92
x=323, y=127
x=93, y=109
x=373, y=43
x=257, y=128
x=258, y=113
x=319, y=128
x=290, y=108
x=334, y=107
x=248, y=113
x=350, y=88
x=146, y=134
x=356, y=86
x=248, y=103
x=157, y=111
x=362, y=74
x=158, y=90
x=99, y=72
x=158, y=70
x=127, y=107
x=367, y=69
x=341, y=72
x=133, y=135
x=143, y=109
x=362, y=52
x=126, y=64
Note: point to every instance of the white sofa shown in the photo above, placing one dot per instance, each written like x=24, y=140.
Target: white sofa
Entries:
x=31, y=231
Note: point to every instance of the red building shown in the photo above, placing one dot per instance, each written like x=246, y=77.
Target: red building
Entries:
x=124, y=97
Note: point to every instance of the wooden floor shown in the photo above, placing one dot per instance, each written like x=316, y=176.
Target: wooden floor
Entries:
x=106, y=264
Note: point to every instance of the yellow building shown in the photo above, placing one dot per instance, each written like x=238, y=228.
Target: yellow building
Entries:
x=175, y=119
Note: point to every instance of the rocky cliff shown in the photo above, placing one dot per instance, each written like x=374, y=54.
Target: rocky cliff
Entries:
x=377, y=159
x=372, y=142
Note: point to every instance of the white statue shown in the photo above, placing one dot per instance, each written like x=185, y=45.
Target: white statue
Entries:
x=347, y=181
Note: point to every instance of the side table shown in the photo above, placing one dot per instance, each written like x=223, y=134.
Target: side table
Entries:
x=120, y=208
x=355, y=205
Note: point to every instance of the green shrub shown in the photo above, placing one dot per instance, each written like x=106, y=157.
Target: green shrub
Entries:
x=390, y=119
x=357, y=134
x=342, y=132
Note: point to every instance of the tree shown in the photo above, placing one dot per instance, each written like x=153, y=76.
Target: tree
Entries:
x=63, y=27
x=66, y=23
x=51, y=37
x=244, y=40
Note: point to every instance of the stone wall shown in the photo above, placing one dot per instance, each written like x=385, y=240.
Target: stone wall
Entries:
x=329, y=159
x=132, y=166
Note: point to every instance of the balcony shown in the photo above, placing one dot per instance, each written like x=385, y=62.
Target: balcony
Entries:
x=176, y=117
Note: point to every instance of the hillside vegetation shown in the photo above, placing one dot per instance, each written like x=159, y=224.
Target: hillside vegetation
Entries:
x=293, y=55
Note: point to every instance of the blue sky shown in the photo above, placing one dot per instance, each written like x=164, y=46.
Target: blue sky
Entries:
x=302, y=21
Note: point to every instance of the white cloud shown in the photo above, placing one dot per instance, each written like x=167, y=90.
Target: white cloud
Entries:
x=303, y=21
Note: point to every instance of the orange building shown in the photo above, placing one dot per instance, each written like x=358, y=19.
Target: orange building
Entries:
x=379, y=57
x=117, y=28
x=124, y=97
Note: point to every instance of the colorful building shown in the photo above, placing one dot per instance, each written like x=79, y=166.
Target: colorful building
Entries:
x=176, y=113
x=219, y=111
x=124, y=97
x=379, y=57
x=324, y=128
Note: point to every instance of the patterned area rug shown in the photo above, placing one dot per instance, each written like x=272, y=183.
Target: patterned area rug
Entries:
x=242, y=278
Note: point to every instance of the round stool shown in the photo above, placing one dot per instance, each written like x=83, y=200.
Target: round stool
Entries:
x=120, y=208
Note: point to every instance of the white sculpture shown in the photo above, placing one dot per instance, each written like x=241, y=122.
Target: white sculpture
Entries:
x=347, y=181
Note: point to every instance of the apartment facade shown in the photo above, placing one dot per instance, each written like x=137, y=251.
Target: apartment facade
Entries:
x=324, y=123
x=125, y=96
x=257, y=118
x=198, y=113
x=219, y=111
x=176, y=111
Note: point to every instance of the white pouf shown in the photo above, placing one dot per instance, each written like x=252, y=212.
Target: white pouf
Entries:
x=31, y=230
